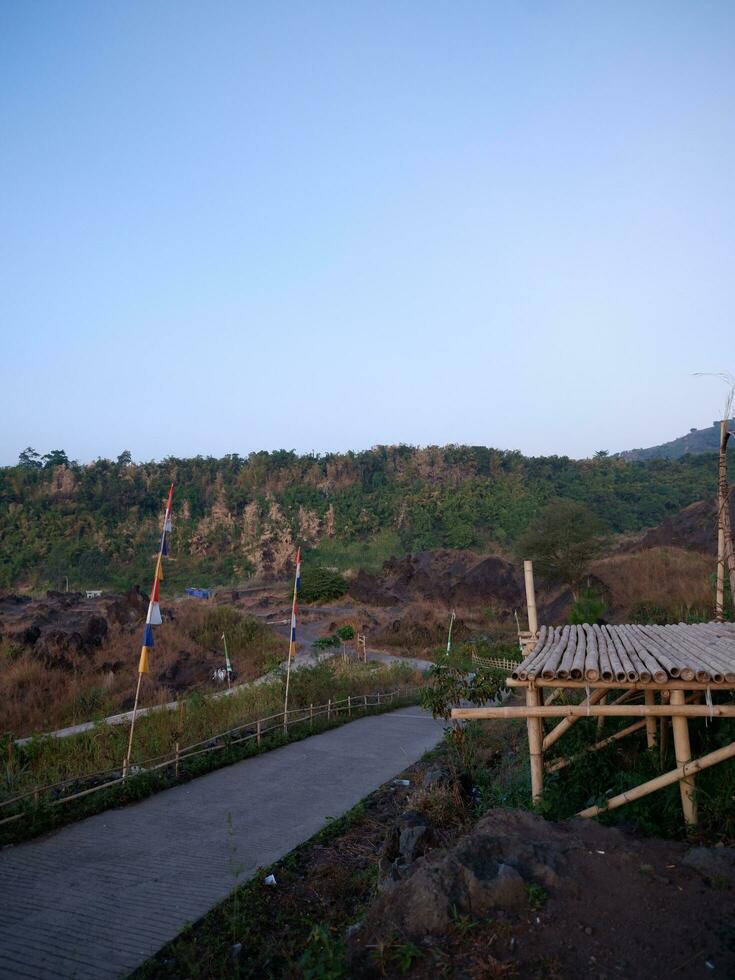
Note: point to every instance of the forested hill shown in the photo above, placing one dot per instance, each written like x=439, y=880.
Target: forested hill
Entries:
x=98, y=523
x=695, y=441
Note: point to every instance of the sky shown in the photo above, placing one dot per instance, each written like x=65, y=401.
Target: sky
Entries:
x=234, y=226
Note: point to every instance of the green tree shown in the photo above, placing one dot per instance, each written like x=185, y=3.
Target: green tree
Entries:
x=125, y=458
x=29, y=459
x=57, y=457
x=563, y=541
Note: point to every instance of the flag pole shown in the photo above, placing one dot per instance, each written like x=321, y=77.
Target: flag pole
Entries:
x=152, y=619
x=292, y=637
x=449, y=637
x=228, y=665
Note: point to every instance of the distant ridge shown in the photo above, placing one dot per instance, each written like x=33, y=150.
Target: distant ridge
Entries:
x=695, y=441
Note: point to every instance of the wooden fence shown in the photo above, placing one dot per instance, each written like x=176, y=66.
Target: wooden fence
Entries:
x=56, y=794
x=495, y=663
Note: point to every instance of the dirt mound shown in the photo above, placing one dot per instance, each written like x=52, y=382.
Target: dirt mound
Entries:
x=66, y=622
x=420, y=627
x=449, y=576
x=694, y=528
x=606, y=904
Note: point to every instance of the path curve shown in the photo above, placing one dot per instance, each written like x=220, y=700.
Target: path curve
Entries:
x=97, y=898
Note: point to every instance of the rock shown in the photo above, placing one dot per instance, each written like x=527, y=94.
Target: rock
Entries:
x=715, y=863
x=435, y=777
x=487, y=869
x=412, y=841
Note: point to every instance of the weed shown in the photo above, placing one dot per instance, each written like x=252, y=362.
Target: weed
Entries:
x=324, y=958
x=537, y=896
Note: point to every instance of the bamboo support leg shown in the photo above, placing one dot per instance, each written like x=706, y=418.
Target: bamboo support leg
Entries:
x=680, y=728
x=535, y=747
x=651, y=722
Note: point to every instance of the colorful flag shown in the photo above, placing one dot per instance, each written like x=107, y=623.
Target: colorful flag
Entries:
x=297, y=583
x=153, y=618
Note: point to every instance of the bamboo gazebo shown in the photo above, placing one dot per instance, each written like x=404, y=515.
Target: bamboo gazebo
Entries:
x=673, y=671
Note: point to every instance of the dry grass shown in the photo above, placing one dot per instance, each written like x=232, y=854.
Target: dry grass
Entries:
x=671, y=579
x=39, y=698
x=49, y=760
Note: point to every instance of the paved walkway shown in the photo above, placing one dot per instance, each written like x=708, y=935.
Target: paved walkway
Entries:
x=97, y=898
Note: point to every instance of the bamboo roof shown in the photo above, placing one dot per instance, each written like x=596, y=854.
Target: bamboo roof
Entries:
x=704, y=652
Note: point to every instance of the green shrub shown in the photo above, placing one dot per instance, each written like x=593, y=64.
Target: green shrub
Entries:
x=321, y=584
x=588, y=608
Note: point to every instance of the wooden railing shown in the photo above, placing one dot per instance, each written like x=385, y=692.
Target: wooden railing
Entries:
x=56, y=794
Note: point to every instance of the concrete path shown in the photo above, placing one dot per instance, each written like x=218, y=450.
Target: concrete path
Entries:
x=96, y=899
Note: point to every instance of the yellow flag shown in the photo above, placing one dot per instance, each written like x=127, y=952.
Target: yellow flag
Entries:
x=143, y=665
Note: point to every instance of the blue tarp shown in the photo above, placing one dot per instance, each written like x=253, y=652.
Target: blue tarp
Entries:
x=200, y=593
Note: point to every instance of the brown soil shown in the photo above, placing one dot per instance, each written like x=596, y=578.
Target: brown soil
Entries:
x=592, y=901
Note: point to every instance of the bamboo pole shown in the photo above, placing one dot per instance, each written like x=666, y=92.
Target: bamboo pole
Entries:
x=673, y=776
x=561, y=763
x=607, y=710
x=601, y=720
x=291, y=639
x=530, y=597
x=669, y=685
x=556, y=733
x=126, y=764
x=683, y=751
x=650, y=722
x=720, y=593
x=724, y=531
x=535, y=746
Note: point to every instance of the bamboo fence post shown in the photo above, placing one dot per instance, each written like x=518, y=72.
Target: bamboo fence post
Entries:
x=535, y=747
x=650, y=698
x=378, y=698
x=257, y=732
x=349, y=705
x=530, y=597
x=176, y=769
x=311, y=715
x=683, y=751
x=329, y=710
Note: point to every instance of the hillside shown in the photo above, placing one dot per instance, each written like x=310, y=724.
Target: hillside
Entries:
x=695, y=441
x=235, y=517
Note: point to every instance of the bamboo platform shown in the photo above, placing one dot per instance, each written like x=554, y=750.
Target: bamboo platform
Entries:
x=672, y=671
x=704, y=652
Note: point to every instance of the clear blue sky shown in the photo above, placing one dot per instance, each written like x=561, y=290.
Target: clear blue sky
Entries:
x=230, y=226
